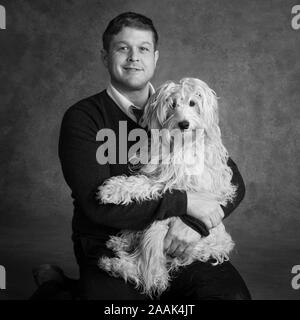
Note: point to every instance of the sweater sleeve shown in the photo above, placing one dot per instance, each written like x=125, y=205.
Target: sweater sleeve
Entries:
x=236, y=180
x=83, y=174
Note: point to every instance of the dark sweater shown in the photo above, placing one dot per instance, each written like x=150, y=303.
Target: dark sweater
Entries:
x=83, y=174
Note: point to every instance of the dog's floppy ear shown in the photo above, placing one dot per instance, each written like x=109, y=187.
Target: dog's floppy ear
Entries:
x=208, y=97
x=155, y=111
x=210, y=109
x=210, y=104
x=148, y=119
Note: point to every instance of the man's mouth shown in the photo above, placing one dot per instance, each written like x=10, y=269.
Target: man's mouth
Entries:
x=133, y=69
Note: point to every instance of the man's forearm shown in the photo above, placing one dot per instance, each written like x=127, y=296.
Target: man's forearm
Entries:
x=199, y=225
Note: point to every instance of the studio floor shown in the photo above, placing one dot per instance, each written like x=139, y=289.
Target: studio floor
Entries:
x=265, y=265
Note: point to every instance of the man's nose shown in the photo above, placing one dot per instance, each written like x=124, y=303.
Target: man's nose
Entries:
x=133, y=55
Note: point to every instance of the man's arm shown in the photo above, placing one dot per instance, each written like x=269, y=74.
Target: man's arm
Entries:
x=184, y=233
x=83, y=174
x=236, y=180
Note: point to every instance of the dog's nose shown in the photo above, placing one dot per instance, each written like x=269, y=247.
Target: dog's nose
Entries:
x=183, y=124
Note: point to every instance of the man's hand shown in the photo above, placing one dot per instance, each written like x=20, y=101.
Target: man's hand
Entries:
x=180, y=239
x=204, y=208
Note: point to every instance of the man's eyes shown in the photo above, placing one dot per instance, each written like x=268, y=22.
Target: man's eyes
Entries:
x=145, y=49
x=125, y=49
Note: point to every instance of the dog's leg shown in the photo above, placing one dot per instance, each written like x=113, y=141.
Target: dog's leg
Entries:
x=125, y=264
x=124, y=241
x=153, y=263
x=140, y=258
x=122, y=267
x=217, y=246
x=123, y=189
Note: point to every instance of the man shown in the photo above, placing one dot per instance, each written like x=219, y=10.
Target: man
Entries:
x=130, y=55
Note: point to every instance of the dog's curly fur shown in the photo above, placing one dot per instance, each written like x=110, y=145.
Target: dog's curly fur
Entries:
x=140, y=256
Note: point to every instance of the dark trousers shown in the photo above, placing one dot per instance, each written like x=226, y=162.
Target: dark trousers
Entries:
x=198, y=281
x=53, y=290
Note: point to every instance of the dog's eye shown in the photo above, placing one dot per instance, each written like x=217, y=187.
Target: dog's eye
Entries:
x=192, y=103
x=173, y=105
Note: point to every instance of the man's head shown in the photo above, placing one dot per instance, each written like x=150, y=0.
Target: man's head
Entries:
x=131, y=20
x=130, y=51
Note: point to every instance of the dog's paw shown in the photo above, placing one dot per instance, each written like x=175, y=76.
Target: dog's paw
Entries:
x=124, y=190
x=114, y=191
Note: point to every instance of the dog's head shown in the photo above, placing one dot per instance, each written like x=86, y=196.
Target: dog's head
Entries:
x=187, y=105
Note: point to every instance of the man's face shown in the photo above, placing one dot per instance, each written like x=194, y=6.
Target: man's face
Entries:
x=131, y=59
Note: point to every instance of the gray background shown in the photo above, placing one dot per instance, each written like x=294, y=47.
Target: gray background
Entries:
x=246, y=51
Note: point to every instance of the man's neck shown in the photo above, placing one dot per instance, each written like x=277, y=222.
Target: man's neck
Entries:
x=138, y=97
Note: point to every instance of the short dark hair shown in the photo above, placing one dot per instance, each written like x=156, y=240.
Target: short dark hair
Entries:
x=128, y=19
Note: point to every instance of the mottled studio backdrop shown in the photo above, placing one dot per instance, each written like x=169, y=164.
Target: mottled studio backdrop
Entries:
x=246, y=50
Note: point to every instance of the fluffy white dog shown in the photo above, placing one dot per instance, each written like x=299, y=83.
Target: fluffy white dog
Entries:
x=190, y=156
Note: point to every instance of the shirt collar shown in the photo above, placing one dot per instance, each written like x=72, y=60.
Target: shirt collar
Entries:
x=122, y=102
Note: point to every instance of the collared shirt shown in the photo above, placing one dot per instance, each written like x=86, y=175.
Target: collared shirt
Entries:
x=122, y=102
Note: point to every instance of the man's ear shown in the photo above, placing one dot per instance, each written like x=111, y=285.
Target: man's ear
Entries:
x=156, y=56
x=104, y=56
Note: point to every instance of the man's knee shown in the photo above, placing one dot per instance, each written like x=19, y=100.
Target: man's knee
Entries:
x=221, y=294
x=223, y=283
x=203, y=281
x=98, y=285
x=238, y=293
x=237, y=288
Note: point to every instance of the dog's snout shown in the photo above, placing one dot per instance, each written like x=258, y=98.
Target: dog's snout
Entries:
x=183, y=124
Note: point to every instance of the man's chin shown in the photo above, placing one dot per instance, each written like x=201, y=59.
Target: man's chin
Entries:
x=135, y=85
